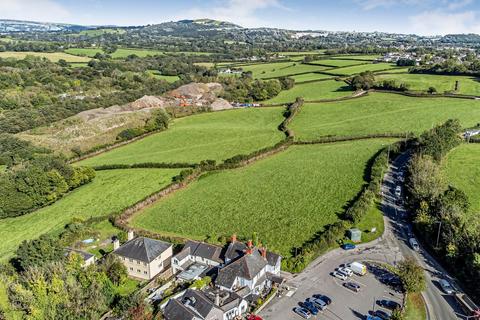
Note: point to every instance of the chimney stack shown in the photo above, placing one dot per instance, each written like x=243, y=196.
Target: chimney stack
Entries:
x=263, y=251
x=234, y=238
x=217, y=299
x=116, y=244
x=249, y=244
x=130, y=235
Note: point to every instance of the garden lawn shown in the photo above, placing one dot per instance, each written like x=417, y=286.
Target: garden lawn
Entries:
x=285, y=198
x=313, y=91
x=421, y=82
x=110, y=191
x=462, y=171
x=381, y=113
x=279, y=69
x=363, y=67
x=310, y=77
x=52, y=56
x=338, y=63
x=214, y=135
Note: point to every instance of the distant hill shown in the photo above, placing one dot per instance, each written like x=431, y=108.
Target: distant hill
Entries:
x=461, y=38
x=18, y=26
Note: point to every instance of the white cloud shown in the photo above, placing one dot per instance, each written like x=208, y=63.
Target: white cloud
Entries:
x=37, y=10
x=242, y=12
x=441, y=23
x=457, y=4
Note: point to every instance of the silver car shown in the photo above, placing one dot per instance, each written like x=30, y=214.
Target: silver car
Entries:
x=446, y=286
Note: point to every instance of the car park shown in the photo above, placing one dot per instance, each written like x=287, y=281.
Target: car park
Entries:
x=446, y=286
x=382, y=314
x=389, y=304
x=346, y=271
x=352, y=286
x=310, y=307
x=319, y=304
x=324, y=298
x=302, y=312
x=348, y=246
x=339, y=275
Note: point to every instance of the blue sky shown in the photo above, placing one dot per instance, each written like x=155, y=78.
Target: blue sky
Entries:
x=427, y=17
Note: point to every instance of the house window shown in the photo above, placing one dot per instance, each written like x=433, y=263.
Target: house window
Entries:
x=145, y=272
x=138, y=270
x=131, y=260
x=131, y=269
x=138, y=262
x=144, y=263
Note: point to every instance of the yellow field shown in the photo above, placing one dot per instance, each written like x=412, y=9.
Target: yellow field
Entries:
x=52, y=56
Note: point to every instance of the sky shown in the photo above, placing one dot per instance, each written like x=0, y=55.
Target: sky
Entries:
x=424, y=17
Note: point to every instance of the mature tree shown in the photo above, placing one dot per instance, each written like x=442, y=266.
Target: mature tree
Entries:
x=39, y=252
x=425, y=181
x=412, y=275
x=115, y=269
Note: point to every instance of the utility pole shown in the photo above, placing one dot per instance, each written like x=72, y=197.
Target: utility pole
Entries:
x=438, y=234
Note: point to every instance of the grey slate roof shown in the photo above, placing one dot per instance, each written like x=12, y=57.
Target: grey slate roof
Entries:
x=85, y=255
x=247, y=267
x=201, y=249
x=236, y=249
x=175, y=310
x=143, y=249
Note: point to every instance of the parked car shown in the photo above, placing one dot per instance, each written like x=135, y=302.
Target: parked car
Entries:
x=358, y=268
x=348, y=246
x=414, y=244
x=339, y=275
x=324, y=298
x=352, y=286
x=398, y=191
x=389, y=304
x=254, y=317
x=382, y=314
x=446, y=286
x=369, y=317
x=319, y=304
x=310, y=307
x=302, y=312
x=348, y=272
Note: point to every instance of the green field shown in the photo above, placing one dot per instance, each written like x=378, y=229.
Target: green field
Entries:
x=52, y=56
x=330, y=89
x=415, y=307
x=169, y=79
x=421, y=82
x=369, y=57
x=109, y=192
x=310, y=76
x=88, y=52
x=215, y=135
x=462, y=171
x=364, y=67
x=381, y=112
x=338, y=63
x=275, y=70
x=285, y=198
x=99, y=32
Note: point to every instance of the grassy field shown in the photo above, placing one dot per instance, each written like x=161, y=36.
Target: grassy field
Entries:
x=216, y=135
x=52, y=56
x=381, y=112
x=369, y=57
x=330, y=89
x=157, y=75
x=109, y=192
x=88, y=52
x=274, y=70
x=462, y=171
x=415, y=308
x=285, y=198
x=123, y=52
x=421, y=82
x=364, y=67
x=310, y=76
x=338, y=63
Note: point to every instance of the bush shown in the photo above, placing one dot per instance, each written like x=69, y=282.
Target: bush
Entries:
x=412, y=276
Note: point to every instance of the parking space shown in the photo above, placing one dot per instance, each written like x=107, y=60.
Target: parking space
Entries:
x=346, y=303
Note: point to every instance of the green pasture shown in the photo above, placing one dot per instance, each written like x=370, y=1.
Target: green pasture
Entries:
x=310, y=77
x=215, y=135
x=380, y=113
x=279, y=69
x=285, y=198
x=363, y=67
x=338, y=63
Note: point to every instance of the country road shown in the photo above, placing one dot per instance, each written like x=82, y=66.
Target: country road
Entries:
x=439, y=305
x=390, y=248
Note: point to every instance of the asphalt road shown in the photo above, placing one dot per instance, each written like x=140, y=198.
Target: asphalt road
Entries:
x=439, y=305
x=390, y=248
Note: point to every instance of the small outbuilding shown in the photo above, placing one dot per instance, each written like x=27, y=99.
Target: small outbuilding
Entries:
x=355, y=235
